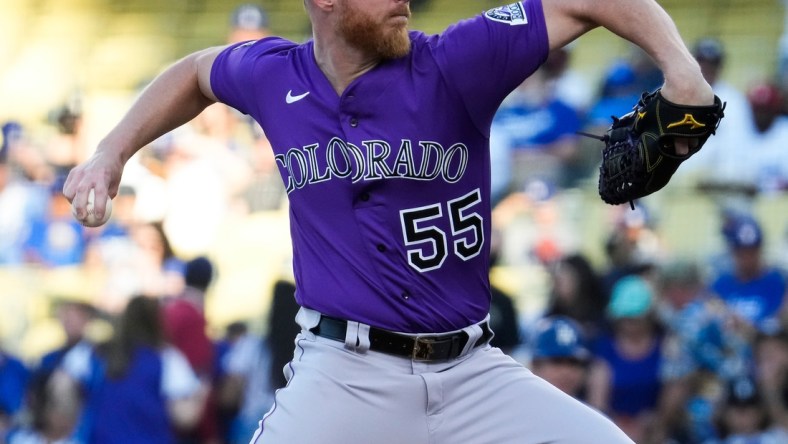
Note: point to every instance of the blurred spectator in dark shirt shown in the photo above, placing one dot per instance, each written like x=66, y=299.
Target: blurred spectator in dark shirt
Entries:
x=503, y=311
x=743, y=418
x=771, y=373
x=185, y=327
x=282, y=329
x=503, y=320
x=184, y=316
x=255, y=364
x=576, y=291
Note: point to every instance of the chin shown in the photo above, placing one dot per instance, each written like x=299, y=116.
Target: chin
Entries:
x=395, y=46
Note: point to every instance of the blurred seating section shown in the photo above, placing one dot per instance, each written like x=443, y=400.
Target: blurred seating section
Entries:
x=112, y=45
x=108, y=49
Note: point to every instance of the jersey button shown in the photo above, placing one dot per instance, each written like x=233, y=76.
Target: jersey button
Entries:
x=381, y=248
x=354, y=122
x=405, y=295
x=364, y=197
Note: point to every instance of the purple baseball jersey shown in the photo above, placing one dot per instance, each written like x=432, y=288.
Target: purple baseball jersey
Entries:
x=389, y=183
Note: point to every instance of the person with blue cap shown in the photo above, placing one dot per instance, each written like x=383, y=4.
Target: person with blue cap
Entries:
x=560, y=355
x=248, y=21
x=754, y=290
x=21, y=200
x=700, y=352
x=742, y=416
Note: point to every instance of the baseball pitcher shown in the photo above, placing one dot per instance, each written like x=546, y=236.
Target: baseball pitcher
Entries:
x=381, y=137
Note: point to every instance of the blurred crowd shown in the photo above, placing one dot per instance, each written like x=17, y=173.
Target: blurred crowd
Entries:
x=673, y=349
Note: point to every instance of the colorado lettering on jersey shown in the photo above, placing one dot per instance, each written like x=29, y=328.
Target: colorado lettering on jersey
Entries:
x=374, y=160
x=513, y=14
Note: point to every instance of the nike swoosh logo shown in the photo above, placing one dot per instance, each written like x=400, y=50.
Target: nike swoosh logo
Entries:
x=292, y=99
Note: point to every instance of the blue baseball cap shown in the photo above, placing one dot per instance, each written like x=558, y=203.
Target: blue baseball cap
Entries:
x=620, y=77
x=198, y=273
x=743, y=391
x=559, y=337
x=709, y=49
x=632, y=297
x=742, y=231
x=249, y=16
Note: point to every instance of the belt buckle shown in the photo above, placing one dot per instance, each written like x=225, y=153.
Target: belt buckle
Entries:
x=423, y=348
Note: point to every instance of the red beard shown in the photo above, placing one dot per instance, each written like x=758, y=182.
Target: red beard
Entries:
x=361, y=31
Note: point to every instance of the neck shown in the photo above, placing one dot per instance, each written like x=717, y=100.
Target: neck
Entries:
x=342, y=63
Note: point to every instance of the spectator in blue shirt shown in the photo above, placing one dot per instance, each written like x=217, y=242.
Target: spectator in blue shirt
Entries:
x=56, y=239
x=14, y=377
x=754, y=290
x=624, y=379
x=138, y=388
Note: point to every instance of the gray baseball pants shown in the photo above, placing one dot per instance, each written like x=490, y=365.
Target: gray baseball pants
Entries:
x=343, y=394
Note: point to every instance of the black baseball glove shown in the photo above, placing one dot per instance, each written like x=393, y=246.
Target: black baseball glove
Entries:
x=639, y=157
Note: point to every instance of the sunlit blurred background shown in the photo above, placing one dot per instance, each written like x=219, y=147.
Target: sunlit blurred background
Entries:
x=62, y=59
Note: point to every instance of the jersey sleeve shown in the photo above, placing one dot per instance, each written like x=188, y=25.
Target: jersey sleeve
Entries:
x=488, y=56
x=230, y=76
x=237, y=69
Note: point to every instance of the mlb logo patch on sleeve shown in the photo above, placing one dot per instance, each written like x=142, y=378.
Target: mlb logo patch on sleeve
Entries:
x=513, y=14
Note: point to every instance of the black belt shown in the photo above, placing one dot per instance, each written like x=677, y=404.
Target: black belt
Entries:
x=437, y=347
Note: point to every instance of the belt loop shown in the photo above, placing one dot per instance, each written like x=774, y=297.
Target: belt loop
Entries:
x=351, y=335
x=307, y=319
x=474, y=332
x=363, y=338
